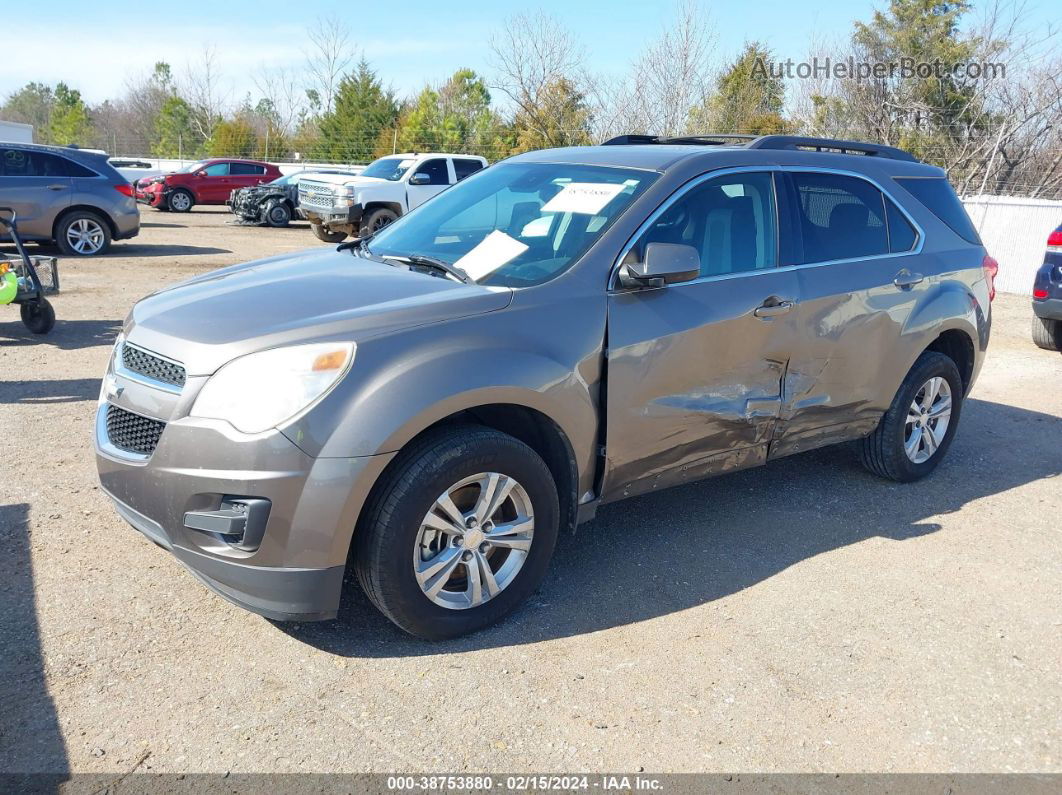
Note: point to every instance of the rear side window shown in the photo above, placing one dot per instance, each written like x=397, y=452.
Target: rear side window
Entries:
x=245, y=169
x=464, y=167
x=902, y=235
x=29, y=163
x=937, y=194
x=840, y=217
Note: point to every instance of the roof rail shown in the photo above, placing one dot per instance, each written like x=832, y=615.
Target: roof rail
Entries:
x=795, y=142
x=720, y=139
x=830, y=144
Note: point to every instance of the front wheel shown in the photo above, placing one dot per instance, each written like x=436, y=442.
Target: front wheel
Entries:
x=278, y=214
x=459, y=534
x=916, y=431
x=327, y=235
x=180, y=201
x=38, y=316
x=377, y=220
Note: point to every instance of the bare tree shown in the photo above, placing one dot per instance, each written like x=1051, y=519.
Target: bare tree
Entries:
x=327, y=58
x=282, y=88
x=202, y=88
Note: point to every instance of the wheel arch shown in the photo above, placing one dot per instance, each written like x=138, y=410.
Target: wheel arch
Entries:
x=394, y=207
x=74, y=208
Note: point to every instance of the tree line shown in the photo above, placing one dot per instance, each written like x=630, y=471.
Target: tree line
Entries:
x=998, y=133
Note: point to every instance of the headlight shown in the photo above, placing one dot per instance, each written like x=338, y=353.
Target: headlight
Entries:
x=261, y=390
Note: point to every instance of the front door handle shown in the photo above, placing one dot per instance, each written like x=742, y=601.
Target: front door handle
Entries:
x=905, y=279
x=773, y=309
x=56, y=187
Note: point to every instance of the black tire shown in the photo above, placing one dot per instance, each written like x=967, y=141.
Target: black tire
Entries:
x=1047, y=333
x=277, y=213
x=883, y=451
x=70, y=221
x=377, y=220
x=38, y=316
x=387, y=533
x=180, y=201
x=327, y=235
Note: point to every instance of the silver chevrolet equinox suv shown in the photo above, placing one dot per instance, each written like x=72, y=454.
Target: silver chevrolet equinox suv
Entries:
x=564, y=329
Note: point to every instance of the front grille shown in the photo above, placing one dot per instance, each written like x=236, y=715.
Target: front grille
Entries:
x=131, y=432
x=140, y=361
x=313, y=194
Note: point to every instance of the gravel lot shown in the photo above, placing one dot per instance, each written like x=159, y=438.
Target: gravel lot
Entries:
x=800, y=617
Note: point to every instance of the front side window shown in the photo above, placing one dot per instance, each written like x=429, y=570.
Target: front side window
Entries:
x=839, y=217
x=515, y=224
x=436, y=170
x=217, y=170
x=730, y=220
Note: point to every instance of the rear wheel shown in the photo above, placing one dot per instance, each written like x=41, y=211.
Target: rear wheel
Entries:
x=461, y=532
x=916, y=431
x=327, y=235
x=1047, y=333
x=277, y=213
x=38, y=316
x=82, y=234
x=180, y=201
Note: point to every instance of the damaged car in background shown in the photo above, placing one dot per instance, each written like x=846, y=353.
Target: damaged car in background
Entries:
x=276, y=203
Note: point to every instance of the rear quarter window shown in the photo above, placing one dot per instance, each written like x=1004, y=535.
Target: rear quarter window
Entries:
x=940, y=199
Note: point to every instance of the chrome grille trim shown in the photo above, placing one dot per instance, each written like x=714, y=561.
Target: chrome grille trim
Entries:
x=152, y=366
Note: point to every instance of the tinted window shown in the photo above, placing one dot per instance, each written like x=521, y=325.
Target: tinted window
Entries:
x=840, y=217
x=245, y=169
x=436, y=171
x=464, y=167
x=936, y=194
x=217, y=170
x=29, y=163
x=902, y=235
x=729, y=220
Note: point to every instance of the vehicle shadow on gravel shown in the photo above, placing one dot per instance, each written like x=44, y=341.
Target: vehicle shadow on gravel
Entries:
x=30, y=738
x=70, y=390
x=164, y=250
x=67, y=335
x=666, y=552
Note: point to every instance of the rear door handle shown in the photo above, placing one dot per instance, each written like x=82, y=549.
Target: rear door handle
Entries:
x=771, y=310
x=56, y=187
x=905, y=279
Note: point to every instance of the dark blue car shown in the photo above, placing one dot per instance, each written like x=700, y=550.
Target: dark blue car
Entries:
x=1047, y=296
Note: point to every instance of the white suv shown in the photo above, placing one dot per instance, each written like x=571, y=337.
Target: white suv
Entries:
x=339, y=205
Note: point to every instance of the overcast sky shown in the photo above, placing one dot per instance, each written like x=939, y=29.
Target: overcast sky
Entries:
x=97, y=50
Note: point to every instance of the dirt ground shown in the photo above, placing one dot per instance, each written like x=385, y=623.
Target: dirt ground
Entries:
x=800, y=617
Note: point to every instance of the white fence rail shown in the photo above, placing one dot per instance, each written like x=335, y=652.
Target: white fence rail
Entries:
x=1014, y=231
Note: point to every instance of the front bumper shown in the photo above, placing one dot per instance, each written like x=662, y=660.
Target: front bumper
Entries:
x=297, y=571
x=333, y=216
x=1048, y=308
x=153, y=196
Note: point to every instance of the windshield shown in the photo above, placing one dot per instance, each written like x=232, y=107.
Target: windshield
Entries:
x=191, y=167
x=391, y=168
x=515, y=224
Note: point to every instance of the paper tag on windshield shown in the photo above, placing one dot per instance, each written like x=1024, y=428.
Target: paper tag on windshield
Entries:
x=490, y=253
x=585, y=198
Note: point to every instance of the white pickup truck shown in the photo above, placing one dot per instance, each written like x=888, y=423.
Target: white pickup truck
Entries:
x=337, y=205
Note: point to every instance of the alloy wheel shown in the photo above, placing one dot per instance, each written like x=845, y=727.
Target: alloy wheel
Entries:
x=85, y=236
x=180, y=201
x=473, y=542
x=927, y=422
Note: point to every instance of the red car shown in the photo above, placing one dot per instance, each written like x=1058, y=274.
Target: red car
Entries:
x=203, y=182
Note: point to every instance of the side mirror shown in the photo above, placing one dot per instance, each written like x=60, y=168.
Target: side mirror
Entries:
x=663, y=264
x=420, y=178
x=200, y=173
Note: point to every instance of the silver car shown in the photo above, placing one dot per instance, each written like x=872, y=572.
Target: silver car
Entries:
x=71, y=197
x=565, y=329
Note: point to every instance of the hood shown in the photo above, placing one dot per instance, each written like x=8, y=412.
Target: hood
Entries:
x=345, y=179
x=294, y=298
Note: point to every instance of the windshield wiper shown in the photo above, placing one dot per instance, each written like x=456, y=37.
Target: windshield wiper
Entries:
x=355, y=245
x=432, y=262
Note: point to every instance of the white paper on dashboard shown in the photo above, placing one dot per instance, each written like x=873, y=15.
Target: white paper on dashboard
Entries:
x=490, y=253
x=585, y=198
